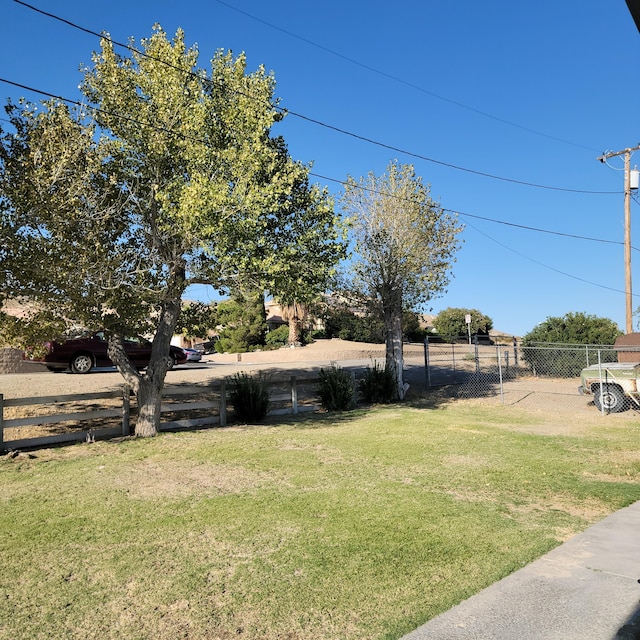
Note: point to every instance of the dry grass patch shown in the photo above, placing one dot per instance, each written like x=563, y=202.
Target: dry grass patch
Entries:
x=153, y=479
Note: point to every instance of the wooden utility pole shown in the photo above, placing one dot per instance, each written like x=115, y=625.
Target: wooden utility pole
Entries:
x=627, y=230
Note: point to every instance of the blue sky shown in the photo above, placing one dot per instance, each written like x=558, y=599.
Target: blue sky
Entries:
x=528, y=94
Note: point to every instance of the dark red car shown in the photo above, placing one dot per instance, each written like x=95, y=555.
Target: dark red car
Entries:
x=83, y=353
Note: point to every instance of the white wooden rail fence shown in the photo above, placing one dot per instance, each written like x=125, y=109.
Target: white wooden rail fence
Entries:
x=215, y=410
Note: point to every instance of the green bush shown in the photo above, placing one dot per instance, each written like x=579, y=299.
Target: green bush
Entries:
x=378, y=385
x=249, y=396
x=551, y=348
x=336, y=389
x=278, y=337
x=346, y=325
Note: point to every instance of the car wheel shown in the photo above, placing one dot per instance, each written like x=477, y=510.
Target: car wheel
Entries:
x=611, y=399
x=172, y=362
x=81, y=363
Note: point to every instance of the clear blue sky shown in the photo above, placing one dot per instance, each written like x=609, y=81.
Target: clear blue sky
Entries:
x=526, y=92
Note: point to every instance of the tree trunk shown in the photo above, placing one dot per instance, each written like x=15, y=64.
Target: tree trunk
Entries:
x=148, y=386
x=294, y=332
x=393, y=343
x=149, y=400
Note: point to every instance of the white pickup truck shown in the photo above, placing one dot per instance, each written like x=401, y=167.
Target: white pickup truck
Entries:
x=614, y=385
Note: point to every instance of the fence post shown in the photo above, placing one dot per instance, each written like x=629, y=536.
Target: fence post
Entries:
x=1, y=423
x=477, y=353
x=587, y=350
x=222, y=409
x=500, y=374
x=453, y=360
x=427, y=371
x=294, y=395
x=601, y=390
x=355, y=388
x=126, y=410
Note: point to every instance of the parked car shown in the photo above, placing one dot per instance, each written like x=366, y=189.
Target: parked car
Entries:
x=83, y=353
x=193, y=355
x=208, y=347
x=614, y=386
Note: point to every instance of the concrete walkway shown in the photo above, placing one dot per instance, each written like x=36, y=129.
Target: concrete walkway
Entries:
x=585, y=589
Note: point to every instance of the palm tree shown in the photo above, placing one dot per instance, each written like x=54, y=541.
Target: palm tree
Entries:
x=295, y=314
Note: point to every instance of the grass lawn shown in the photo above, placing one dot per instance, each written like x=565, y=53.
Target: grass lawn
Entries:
x=361, y=525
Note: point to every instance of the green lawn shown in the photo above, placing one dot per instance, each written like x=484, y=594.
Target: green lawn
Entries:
x=361, y=525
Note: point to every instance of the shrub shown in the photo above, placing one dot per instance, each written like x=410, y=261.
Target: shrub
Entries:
x=249, y=396
x=336, y=389
x=378, y=385
x=551, y=348
x=278, y=337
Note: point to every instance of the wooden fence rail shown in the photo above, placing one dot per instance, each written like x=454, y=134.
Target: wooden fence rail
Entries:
x=213, y=410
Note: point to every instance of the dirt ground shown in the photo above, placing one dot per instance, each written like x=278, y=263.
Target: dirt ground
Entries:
x=212, y=367
x=554, y=402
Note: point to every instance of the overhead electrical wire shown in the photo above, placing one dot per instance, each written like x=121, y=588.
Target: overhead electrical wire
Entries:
x=390, y=76
x=321, y=123
x=546, y=266
x=345, y=132
x=477, y=217
x=342, y=182
x=311, y=173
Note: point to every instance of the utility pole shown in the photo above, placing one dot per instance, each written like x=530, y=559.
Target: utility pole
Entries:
x=627, y=228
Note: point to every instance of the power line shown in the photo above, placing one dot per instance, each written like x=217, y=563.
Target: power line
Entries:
x=172, y=132
x=321, y=123
x=546, y=266
x=390, y=76
x=477, y=217
x=343, y=182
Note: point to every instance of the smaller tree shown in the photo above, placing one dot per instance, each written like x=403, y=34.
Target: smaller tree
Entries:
x=340, y=321
x=404, y=248
x=243, y=323
x=451, y=323
x=412, y=330
x=295, y=314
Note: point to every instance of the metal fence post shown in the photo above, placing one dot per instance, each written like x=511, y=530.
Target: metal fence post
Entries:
x=453, y=361
x=500, y=374
x=477, y=353
x=601, y=390
x=427, y=370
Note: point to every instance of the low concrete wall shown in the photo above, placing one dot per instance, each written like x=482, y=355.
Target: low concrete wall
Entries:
x=11, y=362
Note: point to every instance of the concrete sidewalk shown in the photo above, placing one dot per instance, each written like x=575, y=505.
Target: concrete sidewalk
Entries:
x=585, y=589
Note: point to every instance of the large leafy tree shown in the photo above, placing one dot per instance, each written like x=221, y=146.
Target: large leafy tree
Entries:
x=404, y=247
x=169, y=176
x=451, y=323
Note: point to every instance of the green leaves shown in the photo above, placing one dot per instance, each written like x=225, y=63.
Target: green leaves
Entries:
x=404, y=242
x=168, y=177
x=575, y=328
x=451, y=323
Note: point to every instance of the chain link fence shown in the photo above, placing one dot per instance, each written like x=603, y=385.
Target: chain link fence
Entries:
x=538, y=375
